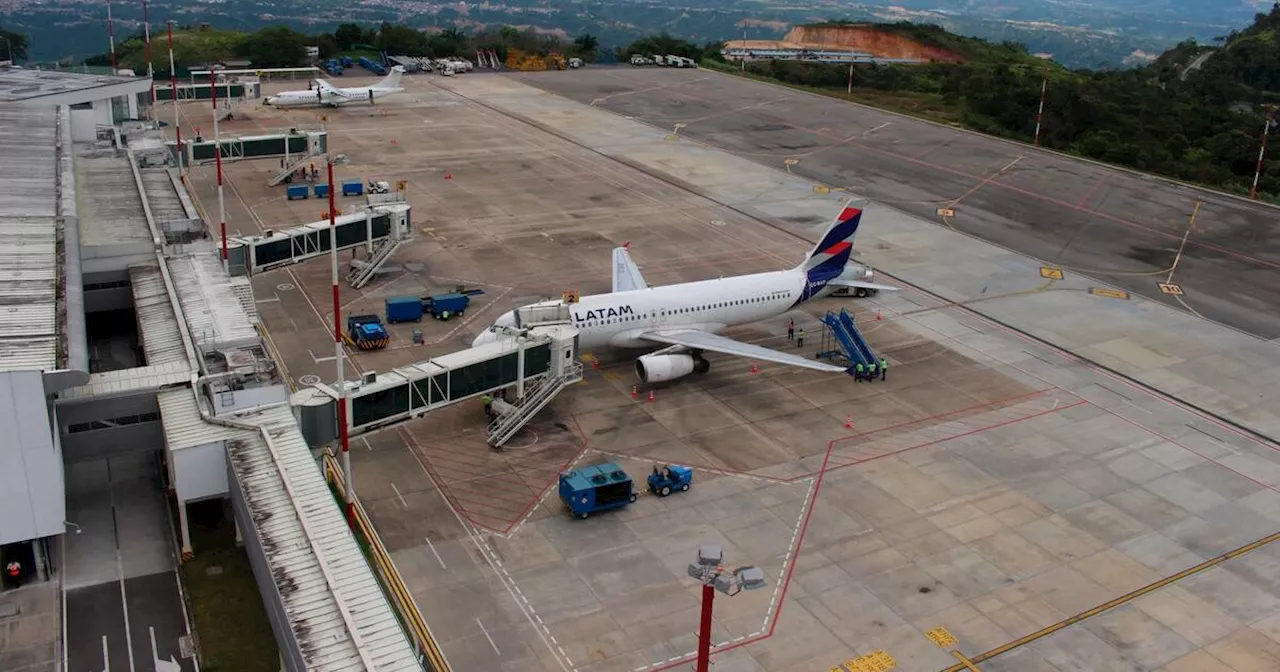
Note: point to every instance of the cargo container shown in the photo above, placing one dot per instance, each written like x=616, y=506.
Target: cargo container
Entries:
x=322, y=190
x=297, y=192
x=404, y=309
x=352, y=187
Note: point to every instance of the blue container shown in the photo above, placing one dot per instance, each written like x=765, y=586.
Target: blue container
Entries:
x=296, y=192
x=322, y=190
x=404, y=309
x=352, y=187
x=596, y=488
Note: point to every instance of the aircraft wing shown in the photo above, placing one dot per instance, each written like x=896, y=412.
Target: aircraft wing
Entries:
x=329, y=89
x=701, y=340
x=626, y=276
x=858, y=283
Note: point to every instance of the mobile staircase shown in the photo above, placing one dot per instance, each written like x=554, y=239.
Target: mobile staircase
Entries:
x=849, y=343
x=362, y=271
x=291, y=165
x=539, y=392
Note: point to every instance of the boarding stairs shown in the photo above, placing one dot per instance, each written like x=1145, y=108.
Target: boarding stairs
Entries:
x=538, y=392
x=852, y=346
x=363, y=271
x=292, y=164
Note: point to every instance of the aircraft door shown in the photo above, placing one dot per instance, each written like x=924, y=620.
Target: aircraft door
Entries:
x=370, y=96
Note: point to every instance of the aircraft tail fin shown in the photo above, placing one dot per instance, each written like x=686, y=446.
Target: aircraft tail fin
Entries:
x=829, y=256
x=392, y=80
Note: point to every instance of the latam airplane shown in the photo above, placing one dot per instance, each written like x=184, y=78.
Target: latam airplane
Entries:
x=328, y=95
x=686, y=317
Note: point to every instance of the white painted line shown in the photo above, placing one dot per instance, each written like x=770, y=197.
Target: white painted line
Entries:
x=366, y=443
x=320, y=360
x=433, y=552
x=106, y=658
x=399, y=496
x=1011, y=163
x=873, y=130
x=155, y=653
x=486, y=636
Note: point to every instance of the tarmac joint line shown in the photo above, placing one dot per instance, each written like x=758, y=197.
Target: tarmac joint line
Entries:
x=1112, y=604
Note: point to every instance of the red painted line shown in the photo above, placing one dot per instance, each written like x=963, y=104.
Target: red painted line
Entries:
x=1193, y=451
x=1025, y=192
x=1088, y=195
x=971, y=432
x=553, y=482
x=493, y=493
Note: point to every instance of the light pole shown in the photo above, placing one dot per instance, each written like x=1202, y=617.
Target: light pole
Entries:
x=1266, y=130
x=708, y=570
x=348, y=480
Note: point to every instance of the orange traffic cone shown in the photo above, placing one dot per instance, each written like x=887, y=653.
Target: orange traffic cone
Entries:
x=448, y=176
x=848, y=422
x=651, y=395
x=877, y=313
x=595, y=364
x=754, y=368
x=634, y=392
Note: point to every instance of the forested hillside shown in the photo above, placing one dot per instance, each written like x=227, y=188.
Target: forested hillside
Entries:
x=1201, y=123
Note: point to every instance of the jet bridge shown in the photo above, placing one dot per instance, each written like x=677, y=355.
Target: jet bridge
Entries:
x=383, y=221
x=537, y=362
x=292, y=144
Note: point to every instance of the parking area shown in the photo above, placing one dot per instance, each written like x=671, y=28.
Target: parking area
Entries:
x=992, y=485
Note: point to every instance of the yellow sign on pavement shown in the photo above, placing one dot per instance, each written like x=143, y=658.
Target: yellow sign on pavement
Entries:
x=941, y=637
x=1170, y=288
x=1051, y=273
x=1109, y=293
x=946, y=212
x=791, y=162
x=821, y=189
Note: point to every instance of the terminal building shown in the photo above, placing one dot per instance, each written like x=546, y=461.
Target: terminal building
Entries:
x=136, y=388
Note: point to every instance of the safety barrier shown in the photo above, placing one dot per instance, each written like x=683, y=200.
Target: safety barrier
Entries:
x=423, y=640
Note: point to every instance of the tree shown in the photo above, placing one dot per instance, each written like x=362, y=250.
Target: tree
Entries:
x=327, y=44
x=586, y=46
x=348, y=34
x=401, y=40
x=276, y=47
x=12, y=44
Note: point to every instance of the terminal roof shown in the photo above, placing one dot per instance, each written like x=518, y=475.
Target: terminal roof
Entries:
x=21, y=84
x=28, y=240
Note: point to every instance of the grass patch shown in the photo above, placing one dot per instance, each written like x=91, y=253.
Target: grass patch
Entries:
x=232, y=630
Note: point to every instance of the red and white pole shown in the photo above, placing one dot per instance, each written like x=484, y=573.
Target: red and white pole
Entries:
x=1262, y=151
x=338, y=356
x=1044, y=88
x=217, y=153
x=151, y=73
x=111, y=35
x=704, y=629
x=177, y=123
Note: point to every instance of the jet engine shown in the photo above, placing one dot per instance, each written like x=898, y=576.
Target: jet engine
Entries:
x=661, y=368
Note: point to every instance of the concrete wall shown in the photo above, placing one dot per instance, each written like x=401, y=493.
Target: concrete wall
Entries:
x=110, y=298
x=33, y=500
x=125, y=434
x=115, y=258
x=290, y=653
x=200, y=472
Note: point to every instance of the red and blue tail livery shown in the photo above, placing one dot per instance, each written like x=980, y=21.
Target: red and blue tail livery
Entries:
x=828, y=258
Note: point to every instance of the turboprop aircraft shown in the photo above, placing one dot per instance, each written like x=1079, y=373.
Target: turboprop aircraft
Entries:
x=686, y=317
x=327, y=95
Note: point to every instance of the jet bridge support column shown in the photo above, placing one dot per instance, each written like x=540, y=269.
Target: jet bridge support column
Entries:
x=520, y=367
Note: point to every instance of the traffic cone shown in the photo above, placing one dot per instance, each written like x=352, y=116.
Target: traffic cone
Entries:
x=877, y=313
x=595, y=364
x=634, y=392
x=448, y=176
x=651, y=395
x=848, y=422
x=754, y=368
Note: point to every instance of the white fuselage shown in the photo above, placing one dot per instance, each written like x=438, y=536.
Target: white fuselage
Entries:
x=320, y=97
x=617, y=319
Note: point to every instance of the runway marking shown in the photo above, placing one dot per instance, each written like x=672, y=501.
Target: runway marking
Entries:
x=486, y=636
x=986, y=181
x=321, y=360
x=399, y=496
x=106, y=657
x=433, y=552
x=1183, y=244
x=873, y=130
x=1112, y=604
x=366, y=443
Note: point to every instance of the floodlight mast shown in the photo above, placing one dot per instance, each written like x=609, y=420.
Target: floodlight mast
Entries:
x=709, y=571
